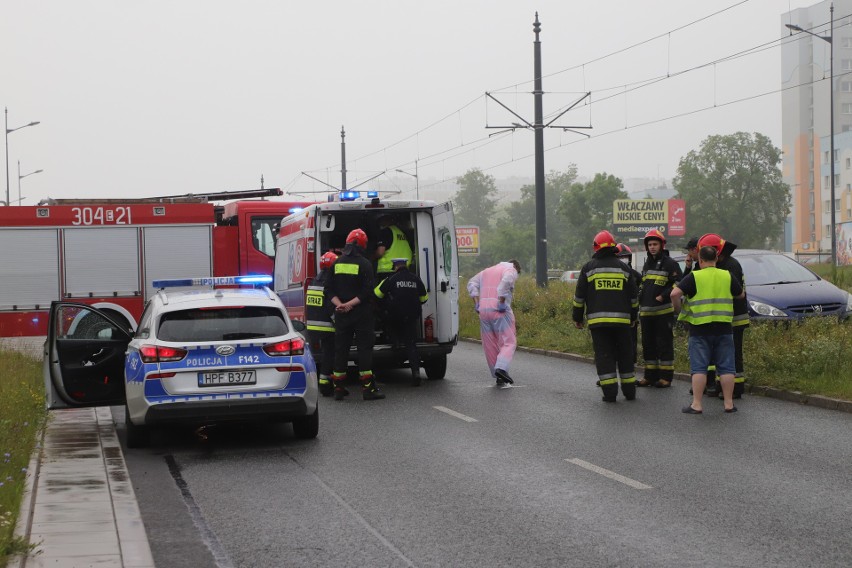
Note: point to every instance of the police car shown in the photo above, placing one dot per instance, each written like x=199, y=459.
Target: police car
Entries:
x=200, y=355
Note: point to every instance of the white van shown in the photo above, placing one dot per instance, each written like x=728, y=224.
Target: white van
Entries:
x=306, y=235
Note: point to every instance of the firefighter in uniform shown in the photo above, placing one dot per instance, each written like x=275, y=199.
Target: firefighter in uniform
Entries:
x=656, y=315
x=350, y=289
x=607, y=293
x=391, y=244
x=624, y=253
x=711, y=292
x=319, y=314
x=403, y=293
x=725, y=261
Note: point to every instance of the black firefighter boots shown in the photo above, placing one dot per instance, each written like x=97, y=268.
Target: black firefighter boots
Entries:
x=326, y=387
x=369, y=390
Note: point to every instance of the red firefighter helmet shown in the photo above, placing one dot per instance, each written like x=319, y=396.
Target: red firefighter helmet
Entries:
x=622, y=250
x=602, y=240
x=654, y=234
x=358, y=237
x=327, y=260
x=712, y=240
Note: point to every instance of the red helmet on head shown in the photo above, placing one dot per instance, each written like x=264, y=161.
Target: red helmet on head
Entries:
x=358, y=237
x=602, y=240
x=327, y=260
x=712, y=240
x=654, y=234
x=622, y=250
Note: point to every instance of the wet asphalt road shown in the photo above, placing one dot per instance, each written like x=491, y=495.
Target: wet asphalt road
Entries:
x=543, y=474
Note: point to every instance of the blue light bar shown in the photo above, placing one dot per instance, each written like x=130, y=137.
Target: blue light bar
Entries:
x=294, y=209
x=213, y=281
x=349, y=195
x=372, y=194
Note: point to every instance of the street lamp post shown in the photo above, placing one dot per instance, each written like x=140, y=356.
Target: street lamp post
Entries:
x=416, y=177
x=20, y=177
x=9, y=131
x=829, y=39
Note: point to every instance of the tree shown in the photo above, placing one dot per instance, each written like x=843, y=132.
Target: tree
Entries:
x=732, y=186
x=521, y=214
x=476, y=201
x=586, y=208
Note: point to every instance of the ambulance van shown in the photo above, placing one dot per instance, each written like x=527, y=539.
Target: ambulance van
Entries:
x=306, y=235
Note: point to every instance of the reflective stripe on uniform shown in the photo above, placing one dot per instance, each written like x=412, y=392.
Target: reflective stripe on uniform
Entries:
x=319, y=326
x=346, y=268
x=662, y=309
x=377, y=290
x=740, y=319
x=608, y=317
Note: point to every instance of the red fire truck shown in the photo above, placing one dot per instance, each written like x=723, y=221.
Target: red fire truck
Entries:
x=106, y=252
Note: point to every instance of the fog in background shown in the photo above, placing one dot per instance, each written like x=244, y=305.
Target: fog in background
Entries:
x=153, y=98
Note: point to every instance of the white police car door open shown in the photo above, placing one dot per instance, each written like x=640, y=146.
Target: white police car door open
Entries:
x=84, y=357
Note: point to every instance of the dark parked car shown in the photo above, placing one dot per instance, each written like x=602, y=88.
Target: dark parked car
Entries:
x=779, y=288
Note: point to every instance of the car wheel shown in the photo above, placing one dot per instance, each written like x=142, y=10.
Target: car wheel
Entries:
x=307, y=427
x=137, y=436
x=436, y=367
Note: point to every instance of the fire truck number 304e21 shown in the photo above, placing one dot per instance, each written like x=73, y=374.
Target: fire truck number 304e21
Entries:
x=101, y=216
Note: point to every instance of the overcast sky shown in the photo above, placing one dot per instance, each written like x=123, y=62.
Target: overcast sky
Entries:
x=165, y=97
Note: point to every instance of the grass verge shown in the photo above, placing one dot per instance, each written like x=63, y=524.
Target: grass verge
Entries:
x=812, y=357
x=22, y=416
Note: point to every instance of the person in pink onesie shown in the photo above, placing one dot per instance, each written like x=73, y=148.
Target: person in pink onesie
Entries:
x=491, y=291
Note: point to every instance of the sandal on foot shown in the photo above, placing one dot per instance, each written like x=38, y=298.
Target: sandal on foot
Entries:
x=690, y=410
x=732, y=409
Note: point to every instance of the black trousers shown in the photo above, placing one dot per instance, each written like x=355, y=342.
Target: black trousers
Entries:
x=614, y=359
x=360, y=324
x=658, y=347
x=404, y=332
x=325, y=362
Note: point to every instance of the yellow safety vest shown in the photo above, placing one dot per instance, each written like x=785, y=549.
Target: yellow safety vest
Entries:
x=712, y=301
x=398, y=249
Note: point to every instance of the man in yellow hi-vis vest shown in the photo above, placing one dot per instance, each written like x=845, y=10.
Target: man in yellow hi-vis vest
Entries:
x=392, y=243
x=711, y=292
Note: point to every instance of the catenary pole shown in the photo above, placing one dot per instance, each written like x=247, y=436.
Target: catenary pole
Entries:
x=538, y=126
x=342, y=159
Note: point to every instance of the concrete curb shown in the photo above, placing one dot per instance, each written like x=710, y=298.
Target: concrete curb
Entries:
x=816, y=400
x=25, y=515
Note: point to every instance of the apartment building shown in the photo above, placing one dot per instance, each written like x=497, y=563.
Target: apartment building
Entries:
x=806, y=123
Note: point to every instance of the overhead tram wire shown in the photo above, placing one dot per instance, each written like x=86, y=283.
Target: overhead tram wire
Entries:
x=463, y=107
x=625, y=49
x=751, y=51
x=661, y=120
x=621, y=92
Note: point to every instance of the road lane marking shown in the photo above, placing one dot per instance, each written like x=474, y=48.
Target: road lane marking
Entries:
x=454, y=413
x=610, y=474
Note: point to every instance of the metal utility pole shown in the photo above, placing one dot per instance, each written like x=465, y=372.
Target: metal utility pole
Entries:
x=8, y=132
x=342, y=159
x=538, y=127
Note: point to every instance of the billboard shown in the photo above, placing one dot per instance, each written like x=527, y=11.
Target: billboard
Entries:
x=635, y=217
x=467, y=240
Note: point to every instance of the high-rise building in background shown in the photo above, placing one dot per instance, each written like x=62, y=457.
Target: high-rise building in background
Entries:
x=806, y=124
